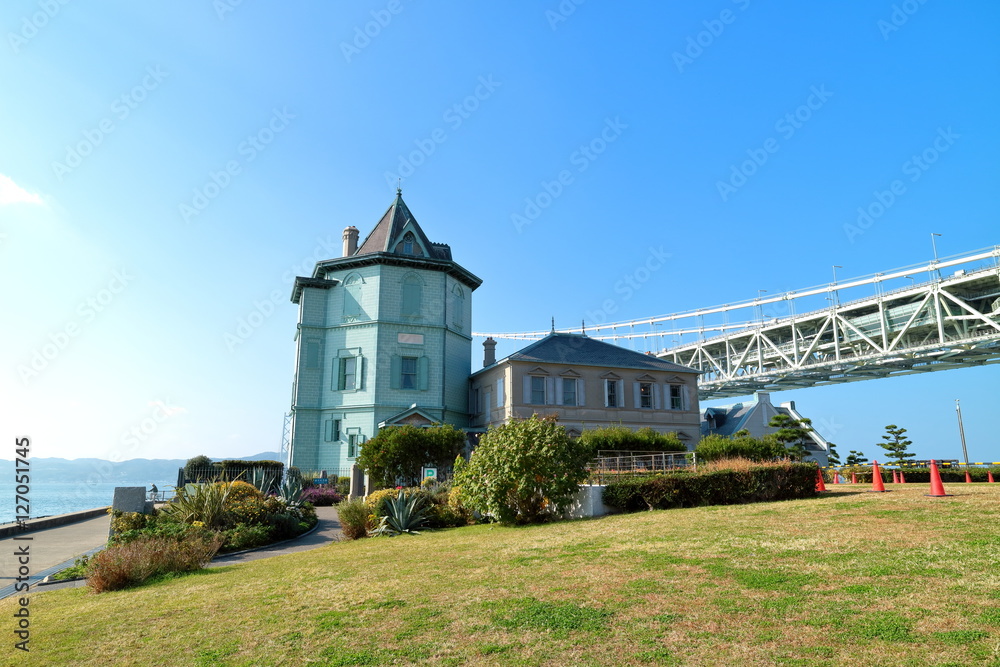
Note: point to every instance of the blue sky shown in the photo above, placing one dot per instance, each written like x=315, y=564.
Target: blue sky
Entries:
x=167, y=168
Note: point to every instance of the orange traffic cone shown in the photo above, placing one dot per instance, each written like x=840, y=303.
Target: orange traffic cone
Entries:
x=902, y=480
x=895, y=477
x=820, y=486
x=937, y=488
x=989, y=476
x=836, y=478
x=854, y=478
x=968, y=477
x=877, y=485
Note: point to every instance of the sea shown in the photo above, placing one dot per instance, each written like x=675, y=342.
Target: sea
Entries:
x=48, y=498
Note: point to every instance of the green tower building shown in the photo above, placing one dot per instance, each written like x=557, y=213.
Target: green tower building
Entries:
x=384, y=337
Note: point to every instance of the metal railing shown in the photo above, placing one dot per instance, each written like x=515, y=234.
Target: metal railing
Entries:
x=613, y=465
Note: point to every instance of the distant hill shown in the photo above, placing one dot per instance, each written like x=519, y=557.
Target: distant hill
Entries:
x=133, y=471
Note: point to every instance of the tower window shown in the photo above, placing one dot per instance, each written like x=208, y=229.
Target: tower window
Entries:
x=408, y=370
x=347, y=379
x=412, y=293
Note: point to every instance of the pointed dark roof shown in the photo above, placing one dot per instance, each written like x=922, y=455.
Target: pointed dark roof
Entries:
x=391, y=226
x=580, y=350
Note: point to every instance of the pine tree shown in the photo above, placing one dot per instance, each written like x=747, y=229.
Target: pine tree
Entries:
x=793, y=434
x=896, y=445
x=856, y=458
x=831, y=455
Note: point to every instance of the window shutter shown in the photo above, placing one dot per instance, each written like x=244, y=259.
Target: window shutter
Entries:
x=559, y=391
x=606, y=392
x=359, y=373
x=422, y=372
x=500, y=393
x=636, y=395
x=526, y=397
x=329, y=430
x=335, y=384
x=550, y=390
x=656, y=396
x=396, y=371
x=685, y=398
x=581, y=399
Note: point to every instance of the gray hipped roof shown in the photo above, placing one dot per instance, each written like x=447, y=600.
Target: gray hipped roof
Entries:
x=580, y=350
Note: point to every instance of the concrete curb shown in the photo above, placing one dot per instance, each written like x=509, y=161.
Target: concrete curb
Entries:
x=50, y=522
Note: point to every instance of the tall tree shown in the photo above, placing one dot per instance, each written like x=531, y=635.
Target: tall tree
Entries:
x=793, y=434
x=397, y=454
x=896, y=444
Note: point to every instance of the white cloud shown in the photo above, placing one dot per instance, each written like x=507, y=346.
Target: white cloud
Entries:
x=12, y=193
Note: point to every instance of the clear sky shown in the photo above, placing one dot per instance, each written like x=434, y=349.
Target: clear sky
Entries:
x=167, y=168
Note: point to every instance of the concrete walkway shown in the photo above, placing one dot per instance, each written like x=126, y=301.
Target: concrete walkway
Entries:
x=50, y=549
x=55, y=549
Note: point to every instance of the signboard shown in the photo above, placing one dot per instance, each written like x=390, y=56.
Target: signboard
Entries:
x=321, y=480
x=430, y=473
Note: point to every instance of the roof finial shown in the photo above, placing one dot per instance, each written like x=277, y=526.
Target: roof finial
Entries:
x=553, y=324
x=583, y=327
x=399, y=186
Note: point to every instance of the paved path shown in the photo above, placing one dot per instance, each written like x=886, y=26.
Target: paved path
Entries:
x=54, y=549
x=50, y=549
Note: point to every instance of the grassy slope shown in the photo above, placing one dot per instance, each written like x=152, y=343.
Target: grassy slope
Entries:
x=846, y=579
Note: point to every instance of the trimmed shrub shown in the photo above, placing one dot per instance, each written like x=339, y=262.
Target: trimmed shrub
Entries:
x=123, y=565
x=344, y=486
x=622, y=438
x=717, y=447
x=354, y=521
x=912, y=475
x=740, y=483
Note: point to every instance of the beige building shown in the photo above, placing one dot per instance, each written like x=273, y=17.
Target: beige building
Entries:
x=588, y=383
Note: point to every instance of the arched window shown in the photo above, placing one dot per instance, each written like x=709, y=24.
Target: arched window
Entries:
x=457, y=305
x=408, y=244
x=412, y=293
x=352, y=297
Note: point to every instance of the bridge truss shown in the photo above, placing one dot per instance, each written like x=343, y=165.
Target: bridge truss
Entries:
x=949, y=320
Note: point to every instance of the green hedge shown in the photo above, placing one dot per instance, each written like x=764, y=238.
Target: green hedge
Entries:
x=763, y=483
x=912, y=475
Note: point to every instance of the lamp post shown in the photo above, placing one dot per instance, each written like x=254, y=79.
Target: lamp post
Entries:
x=961, y=433
x=760, y=307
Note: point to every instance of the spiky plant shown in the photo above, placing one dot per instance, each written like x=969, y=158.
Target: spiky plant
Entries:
x=200, y=502
x=402, y=515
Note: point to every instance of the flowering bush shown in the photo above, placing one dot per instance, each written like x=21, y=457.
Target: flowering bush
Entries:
x=321, y=497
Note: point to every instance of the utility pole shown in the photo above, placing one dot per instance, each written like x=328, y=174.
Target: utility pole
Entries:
x=934, y=247
x=836, y=296
x=961, y=432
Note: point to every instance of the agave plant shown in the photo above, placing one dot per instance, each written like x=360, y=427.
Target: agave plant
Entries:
x=290, y=491
x=403, y=515
x=264, y=480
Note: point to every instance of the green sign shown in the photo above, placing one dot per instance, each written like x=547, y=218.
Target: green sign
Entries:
x=431, y=473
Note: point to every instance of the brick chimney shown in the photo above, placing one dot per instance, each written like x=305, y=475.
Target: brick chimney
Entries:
x=489, y=352
x=350, y=241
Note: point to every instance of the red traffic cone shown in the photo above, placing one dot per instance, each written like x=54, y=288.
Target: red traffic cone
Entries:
x=895, y=477
x=902, y=480
x=854, y=478
x=989, y=476
x=820, y=486
x=937, y=488
x=968, y=477
x=877, y=485
x=836, y=478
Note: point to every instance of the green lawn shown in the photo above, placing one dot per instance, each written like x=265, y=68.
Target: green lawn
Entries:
x=849, y=578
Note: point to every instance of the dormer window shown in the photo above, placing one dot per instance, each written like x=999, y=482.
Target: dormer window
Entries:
x=408, y=244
